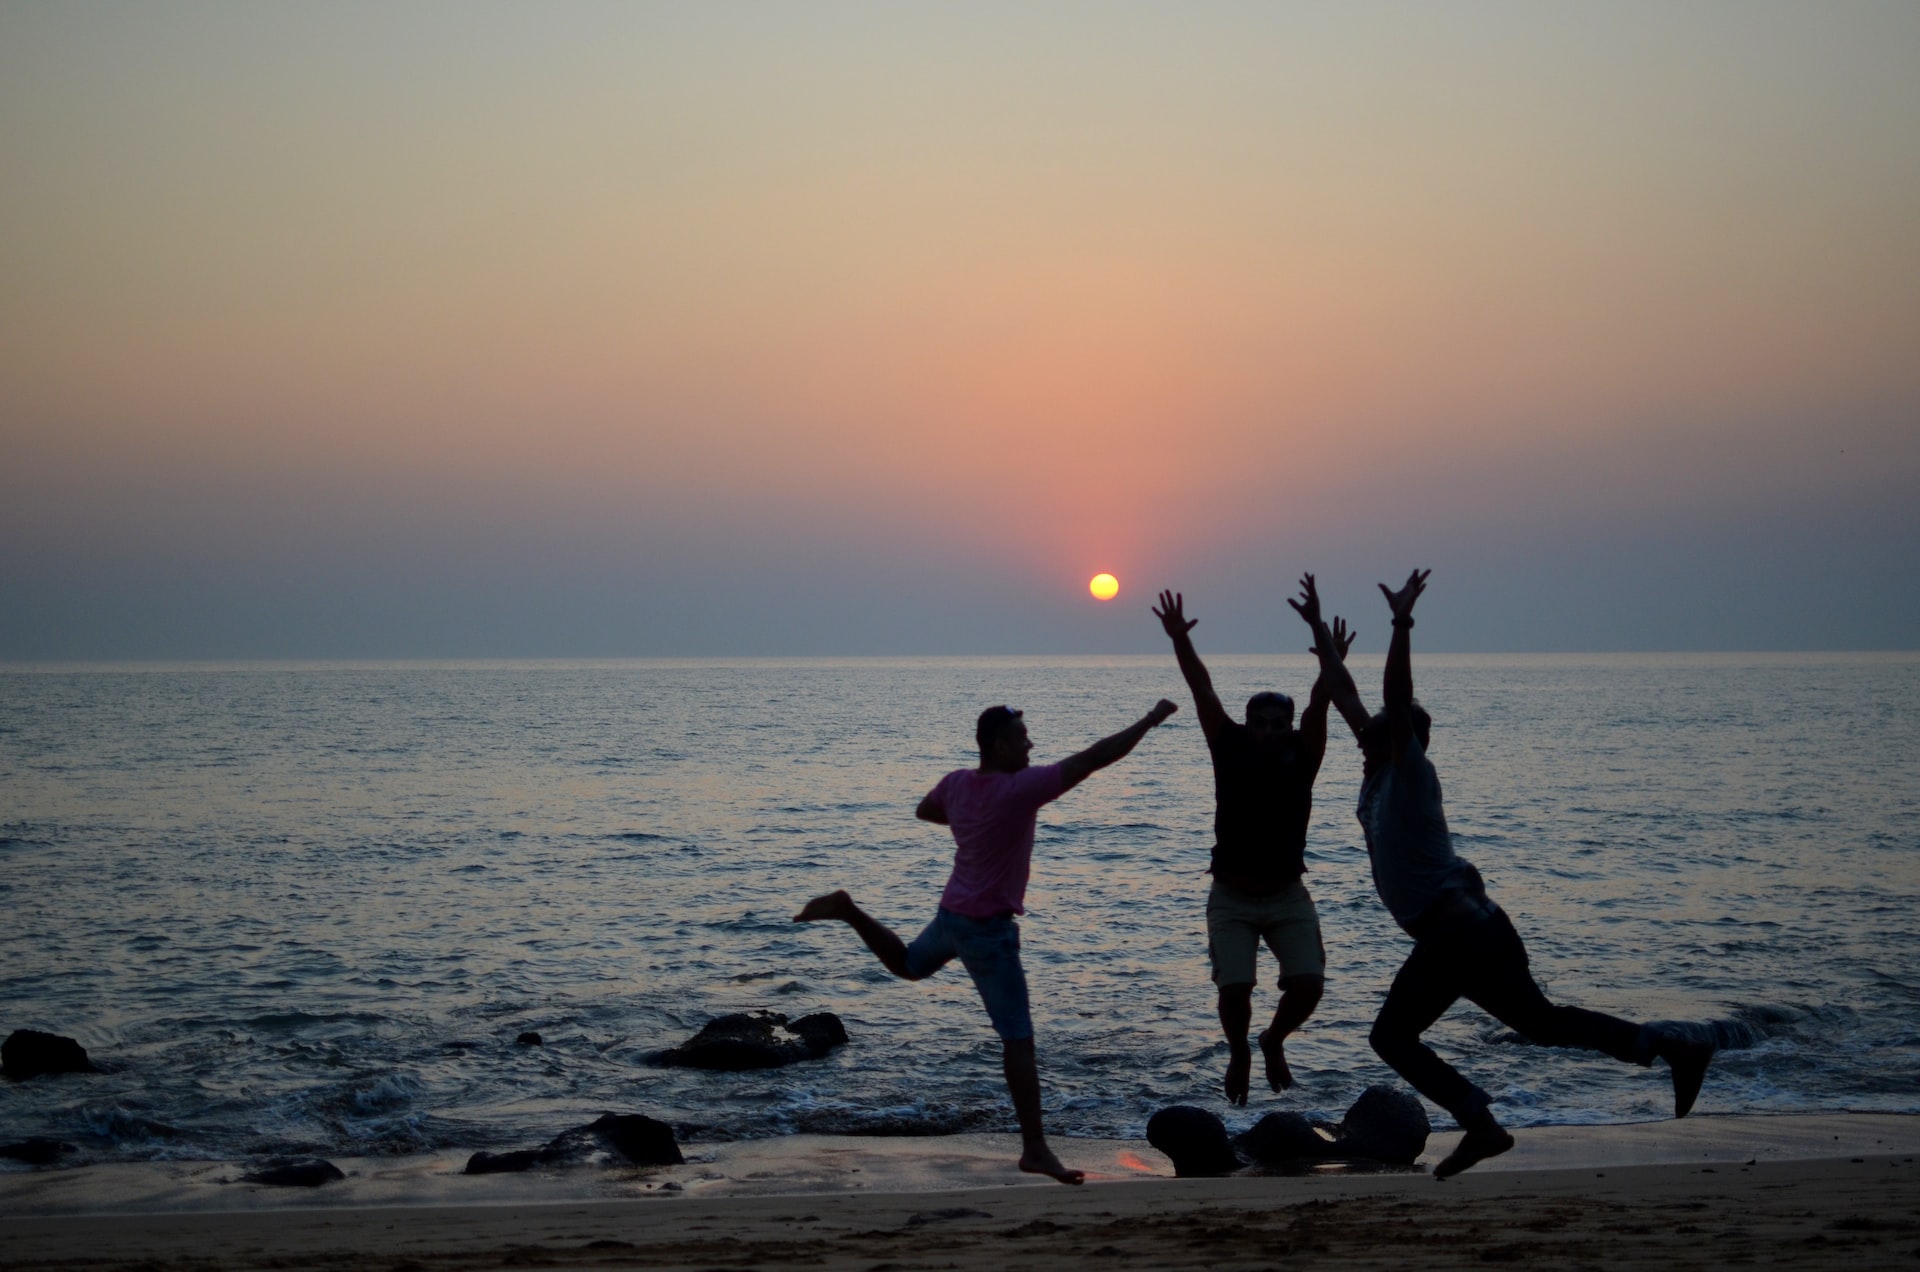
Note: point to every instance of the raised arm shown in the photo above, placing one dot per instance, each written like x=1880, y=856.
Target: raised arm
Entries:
x=1332, y=651
x=1313, y=721
x=1206, y=703
x=1398, y=688
x=1075, y=769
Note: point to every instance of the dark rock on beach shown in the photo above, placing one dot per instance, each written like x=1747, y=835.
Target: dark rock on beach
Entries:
x=756, y=1040
x=641, y=1141
x=1281, y=1138
x=311, y=1173
x=37, y=1151
x=27, y=1053
x=1386, y=1124
x=502, y=1163
x=1195, y=1139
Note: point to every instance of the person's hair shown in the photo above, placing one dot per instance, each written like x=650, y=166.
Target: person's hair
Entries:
x=993, y=722
x=1377, y=737
x=1268, y=700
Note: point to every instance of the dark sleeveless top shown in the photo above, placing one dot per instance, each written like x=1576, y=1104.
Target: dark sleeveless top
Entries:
x=1263, y=798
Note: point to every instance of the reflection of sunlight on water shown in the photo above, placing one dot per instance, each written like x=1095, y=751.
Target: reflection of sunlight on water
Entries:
x=1133, y=1161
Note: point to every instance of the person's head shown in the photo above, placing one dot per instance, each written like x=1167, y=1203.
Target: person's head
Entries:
x=1269, y=715
x=1376, y=740
x=1002, y=737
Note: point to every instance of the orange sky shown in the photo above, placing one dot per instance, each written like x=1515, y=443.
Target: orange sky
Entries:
x=1099, y=286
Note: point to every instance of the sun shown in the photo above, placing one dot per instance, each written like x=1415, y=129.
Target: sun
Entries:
x=1104, y=587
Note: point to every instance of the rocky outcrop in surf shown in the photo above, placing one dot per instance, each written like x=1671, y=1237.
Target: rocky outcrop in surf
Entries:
x=756, y=1040
x=28, y=1053
x=37, y=1151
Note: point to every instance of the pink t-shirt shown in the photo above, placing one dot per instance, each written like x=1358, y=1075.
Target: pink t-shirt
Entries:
x=992, y=816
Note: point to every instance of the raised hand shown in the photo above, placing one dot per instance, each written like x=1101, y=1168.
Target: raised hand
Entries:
x=1342, y=639
x=1172, y=615
x=1308, y=606
x=1162, y=709
x=1401, y=602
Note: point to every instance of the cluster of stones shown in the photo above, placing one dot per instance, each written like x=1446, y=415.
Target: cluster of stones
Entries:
x=1386, y=1126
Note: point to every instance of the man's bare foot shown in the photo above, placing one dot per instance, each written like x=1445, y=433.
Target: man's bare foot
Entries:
x=1279, y=1077
x=834, y=905
x=1041, y=1161
x=1239, y=1076
x=1475, y=1146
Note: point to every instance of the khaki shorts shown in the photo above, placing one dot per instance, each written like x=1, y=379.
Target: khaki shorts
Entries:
x=1237, y=922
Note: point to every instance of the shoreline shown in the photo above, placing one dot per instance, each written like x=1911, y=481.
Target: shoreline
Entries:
x=1831, y=1212
x=1817, y=1191
x=859, y=1166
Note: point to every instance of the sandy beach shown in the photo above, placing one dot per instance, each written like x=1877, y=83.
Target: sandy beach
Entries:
x=1826, y=1191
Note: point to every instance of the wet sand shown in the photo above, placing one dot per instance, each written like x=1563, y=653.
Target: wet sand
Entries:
x=1825, y=1191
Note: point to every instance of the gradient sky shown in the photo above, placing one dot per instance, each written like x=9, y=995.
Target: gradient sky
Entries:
x=574, y=329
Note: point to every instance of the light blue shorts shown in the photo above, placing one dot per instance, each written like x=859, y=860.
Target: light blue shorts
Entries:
x=990, y=951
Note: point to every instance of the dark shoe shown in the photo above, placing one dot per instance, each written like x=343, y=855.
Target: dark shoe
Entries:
x=1475, y=1146
x=1689, y=1060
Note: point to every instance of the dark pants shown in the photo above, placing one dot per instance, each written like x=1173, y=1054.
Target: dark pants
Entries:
x=1482, y=959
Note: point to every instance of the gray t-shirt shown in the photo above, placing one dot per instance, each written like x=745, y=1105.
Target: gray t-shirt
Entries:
x=1414, y=864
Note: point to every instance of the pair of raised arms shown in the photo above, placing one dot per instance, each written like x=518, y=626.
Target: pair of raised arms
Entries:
x=1330, y=645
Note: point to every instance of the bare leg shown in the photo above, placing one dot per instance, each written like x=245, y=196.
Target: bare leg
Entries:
x=892, y=951
x=1236, y=1017
x=1023, y=1083
x=1299, y=995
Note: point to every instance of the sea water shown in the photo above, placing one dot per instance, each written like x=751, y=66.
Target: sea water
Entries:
x=310, y=908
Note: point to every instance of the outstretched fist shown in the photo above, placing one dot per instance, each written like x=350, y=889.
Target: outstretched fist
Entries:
x=1162, y=709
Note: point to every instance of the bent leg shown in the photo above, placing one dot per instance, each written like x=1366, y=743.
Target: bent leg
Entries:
x=1503, y=986
x=1233, y=949
x=1508, y=992
x=1236, y=1018
x=1290, y=925
x=889, y=948
x=1422, y=990
x=1299, y=995
x=1425, y=987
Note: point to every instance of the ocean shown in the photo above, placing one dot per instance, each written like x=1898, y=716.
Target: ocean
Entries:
x=309, y=908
